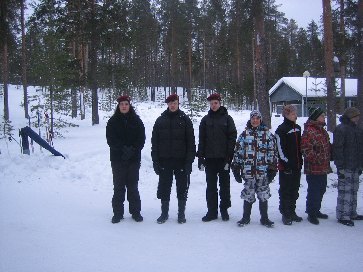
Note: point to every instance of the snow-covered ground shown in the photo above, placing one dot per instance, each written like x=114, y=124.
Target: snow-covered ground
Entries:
x=55, y=215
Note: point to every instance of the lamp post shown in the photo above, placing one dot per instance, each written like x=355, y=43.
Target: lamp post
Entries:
x=306, y=74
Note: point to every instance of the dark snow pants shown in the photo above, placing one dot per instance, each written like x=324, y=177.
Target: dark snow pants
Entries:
x=347, y=195
x=214, y=170
x=289, y=191
x=125, y=176
x=316, y=190
x=168, y=169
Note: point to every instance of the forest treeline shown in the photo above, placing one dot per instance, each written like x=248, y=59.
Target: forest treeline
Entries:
x=75, y=47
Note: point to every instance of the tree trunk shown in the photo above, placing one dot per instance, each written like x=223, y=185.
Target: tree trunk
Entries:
x=74, y=102
x=93, y=67
x=190, y=49
x=260, y=62
x=329, y=68
x=5, y=79
x=360, y=63
x=173, y=60
x=24, y=61
x=342, y=60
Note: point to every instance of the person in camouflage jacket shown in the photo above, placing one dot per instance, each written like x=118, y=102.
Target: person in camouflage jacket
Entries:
x=254, y=161
x=316, y=149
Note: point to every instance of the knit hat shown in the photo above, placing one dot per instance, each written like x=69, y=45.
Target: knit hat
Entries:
x=215, y=96
x=171, y=98
x=351, y=112
x=123, y=98
x=315, y=114
x=255, y=113
x=288, y=109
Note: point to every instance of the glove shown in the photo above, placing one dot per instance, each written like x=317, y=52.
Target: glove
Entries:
x=236, y=170
x=271, y=174
x=128, y=152
x=201, y=163
x=341, y=174
x=188, y=168
x=156, y=167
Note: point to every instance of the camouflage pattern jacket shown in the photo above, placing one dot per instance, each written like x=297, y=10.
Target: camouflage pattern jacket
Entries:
x=255, y=152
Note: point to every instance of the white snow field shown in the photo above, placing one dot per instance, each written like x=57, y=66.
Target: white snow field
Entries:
x=55, y=214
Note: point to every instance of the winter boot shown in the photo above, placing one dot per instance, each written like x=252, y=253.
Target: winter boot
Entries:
x=348, y=223
x=224, y=214
x=286, y=220
x=181, y=211
x=164, y=212
x=313, y=219
x=264, y=217
x=295, y=217
x=209, y=217
x=116, y=219
x=246, y=219
x=322, y=215
x=137, y=217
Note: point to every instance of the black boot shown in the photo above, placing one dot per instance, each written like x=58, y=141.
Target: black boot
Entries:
x=264, y=217
x=116, y=219
x=246, y=219
x=209, y=217
x=164, y=212
x=224, y=214
x=313, y=219
x=295, y=217
x=181, y=211
x=137, y=217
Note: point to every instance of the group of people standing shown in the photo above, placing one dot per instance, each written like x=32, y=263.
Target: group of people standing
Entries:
x=254, y=158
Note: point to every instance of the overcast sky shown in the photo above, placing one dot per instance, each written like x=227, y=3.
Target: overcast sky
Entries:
x=302, y=11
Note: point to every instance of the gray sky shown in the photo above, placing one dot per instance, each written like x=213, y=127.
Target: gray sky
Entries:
x=302, y=11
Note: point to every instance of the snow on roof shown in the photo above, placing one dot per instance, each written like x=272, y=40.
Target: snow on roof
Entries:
x=316, y=86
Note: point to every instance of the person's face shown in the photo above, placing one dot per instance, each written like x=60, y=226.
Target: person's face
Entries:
x=355, y=119
x=214, y=105
x=321, y=118
x=173, y=105
x=124, y=106
x=292, y=116
x=255, y=121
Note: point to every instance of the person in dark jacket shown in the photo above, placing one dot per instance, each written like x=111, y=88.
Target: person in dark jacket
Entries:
x=348, y=158
x=288, y=136
x=125, y=133
x=254, y=161
x=173, y=152
x=217, y=138
x=315, y=146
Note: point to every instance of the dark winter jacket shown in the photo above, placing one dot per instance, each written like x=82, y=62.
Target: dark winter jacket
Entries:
x=173, y=137
x=217, y=135
x=347, y=145
x=315, y=146
x=255, y=152
x=125, y=132
x=288, y=136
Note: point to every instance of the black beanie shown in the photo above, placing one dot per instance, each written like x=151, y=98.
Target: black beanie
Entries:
x=315, y=114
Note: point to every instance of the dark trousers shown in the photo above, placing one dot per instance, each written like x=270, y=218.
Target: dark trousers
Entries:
x=168, y=169
x=289, y=191
x=316, y=190
x=215, y=168
x=125, y=176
